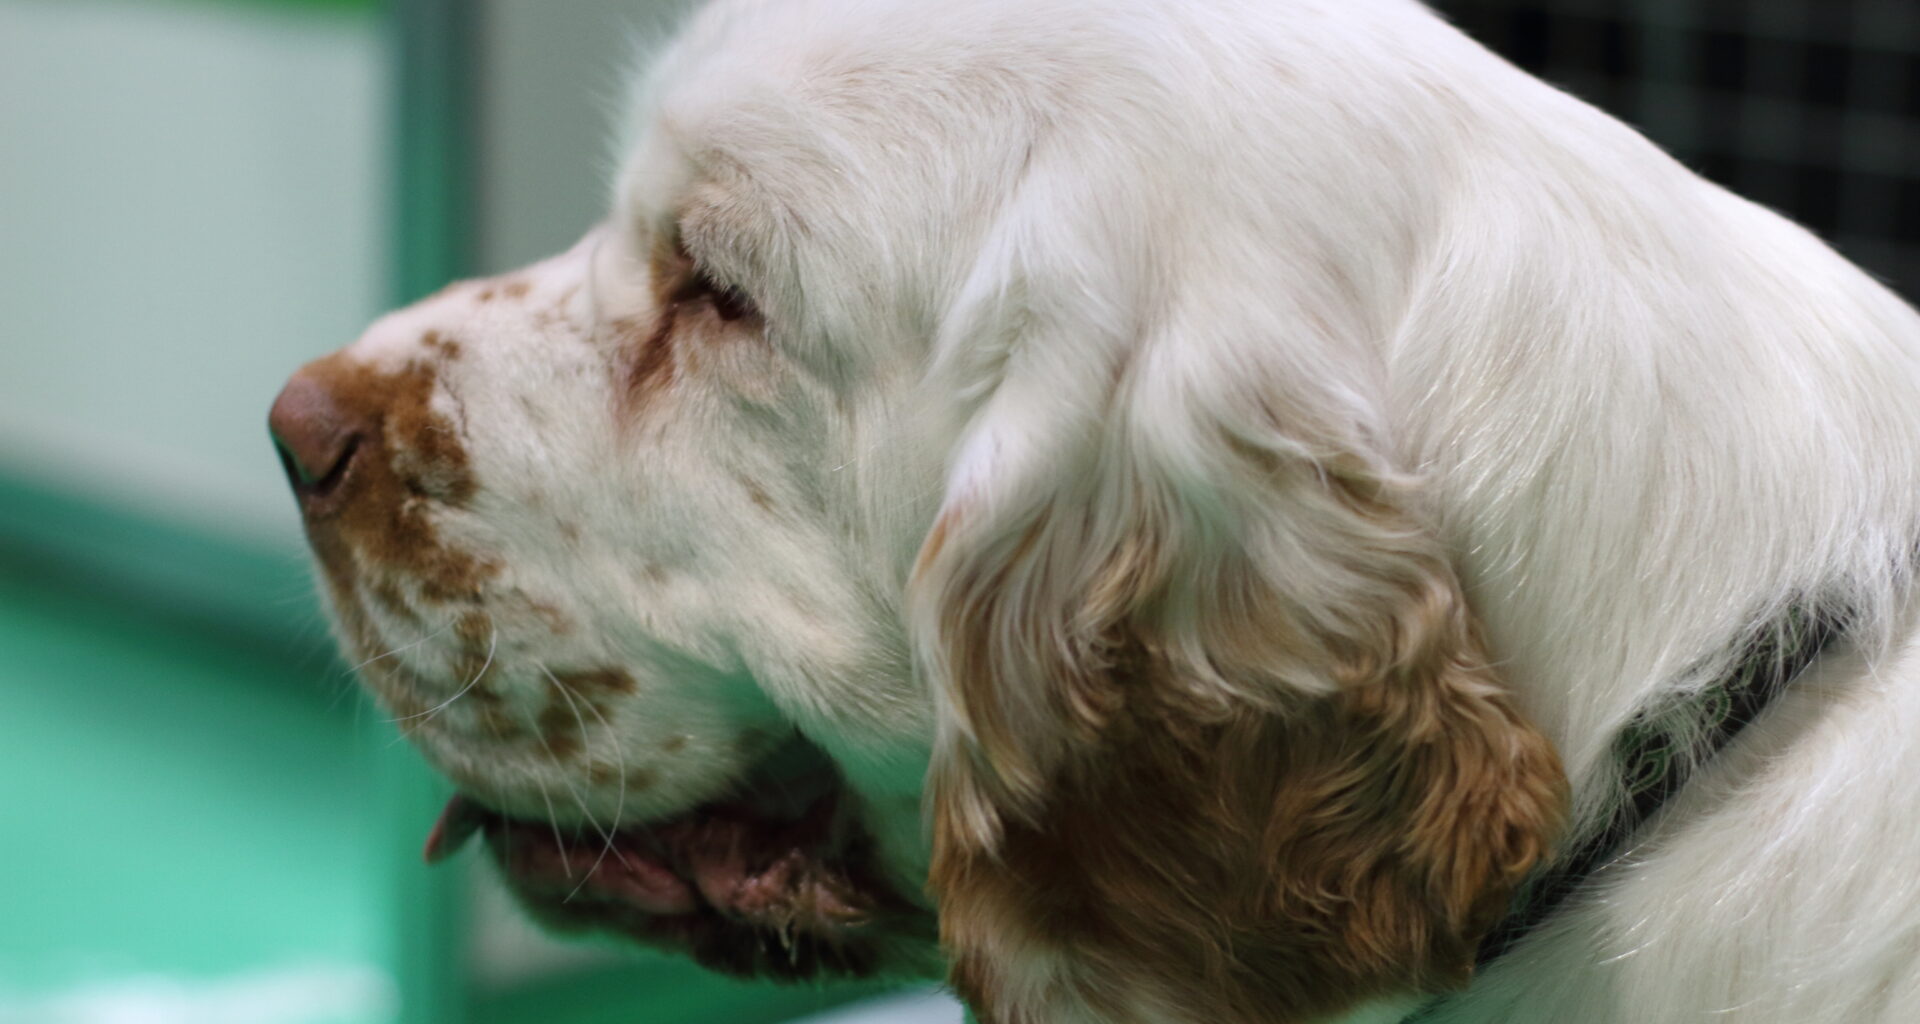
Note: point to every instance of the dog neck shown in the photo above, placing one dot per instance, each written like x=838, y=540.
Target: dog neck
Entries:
x=1664, y=746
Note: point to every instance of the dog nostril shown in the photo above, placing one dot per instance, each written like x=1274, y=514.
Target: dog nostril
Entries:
x=309, y=481
x=315, y=441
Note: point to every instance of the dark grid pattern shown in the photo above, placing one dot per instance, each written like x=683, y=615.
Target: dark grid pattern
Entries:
x=1811, y=107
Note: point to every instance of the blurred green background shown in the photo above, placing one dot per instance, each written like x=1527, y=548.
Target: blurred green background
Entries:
x=200, y=820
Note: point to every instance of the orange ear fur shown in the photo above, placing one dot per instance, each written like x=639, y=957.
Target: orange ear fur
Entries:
x=1186, y=796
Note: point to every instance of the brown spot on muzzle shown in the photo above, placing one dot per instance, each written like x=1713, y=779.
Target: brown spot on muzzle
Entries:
x=598, y=683
x=378, y=527
x=575, y=701
x=561, y=730
x=603, y=773
x=436, y=342
x=475, y=631
x=494, y=719
x=391, y=600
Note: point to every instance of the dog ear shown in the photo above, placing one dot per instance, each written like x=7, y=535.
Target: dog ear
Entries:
x=1218, y=739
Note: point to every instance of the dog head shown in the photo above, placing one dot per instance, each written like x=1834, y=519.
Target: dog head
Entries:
x=951, y=397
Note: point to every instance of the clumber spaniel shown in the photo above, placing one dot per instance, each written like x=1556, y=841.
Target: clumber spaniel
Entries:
x=1171, y=512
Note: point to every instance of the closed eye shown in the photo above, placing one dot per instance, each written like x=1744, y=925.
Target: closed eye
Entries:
x=694, y=282
x=728, y=301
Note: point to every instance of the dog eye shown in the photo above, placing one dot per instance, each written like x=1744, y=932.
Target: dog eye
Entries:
x=728, y=301
x=698, y=285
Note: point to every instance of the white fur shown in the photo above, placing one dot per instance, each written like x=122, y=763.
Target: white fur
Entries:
x=1013, y=252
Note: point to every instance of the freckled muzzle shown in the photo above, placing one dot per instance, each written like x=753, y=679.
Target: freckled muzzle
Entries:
x=775, y=879
x=369, y=460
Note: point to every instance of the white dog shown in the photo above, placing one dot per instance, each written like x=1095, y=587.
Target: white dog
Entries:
x=1241, y=510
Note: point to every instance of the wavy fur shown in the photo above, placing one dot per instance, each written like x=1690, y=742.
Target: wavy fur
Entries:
x=1256, y=456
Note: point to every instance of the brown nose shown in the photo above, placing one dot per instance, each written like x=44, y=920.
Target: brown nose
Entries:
x=315, y=438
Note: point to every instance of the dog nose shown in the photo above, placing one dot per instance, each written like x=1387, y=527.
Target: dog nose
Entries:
x=316, y=439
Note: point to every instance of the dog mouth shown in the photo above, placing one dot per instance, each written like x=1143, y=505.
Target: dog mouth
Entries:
x=785, y=888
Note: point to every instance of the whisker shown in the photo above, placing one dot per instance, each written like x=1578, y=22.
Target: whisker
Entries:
x=911, y=501
x=553, y=820
x=620, y=762
x=493, y=644
x=863, y=453
x=398, y=650
x=606, y=836
x=578, y=800
x=572, y=792
x=374, y=708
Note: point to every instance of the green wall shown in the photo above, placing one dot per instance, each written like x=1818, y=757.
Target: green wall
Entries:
x=203, y=820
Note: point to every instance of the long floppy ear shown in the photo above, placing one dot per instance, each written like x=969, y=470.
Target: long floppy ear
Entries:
x=1218, y=740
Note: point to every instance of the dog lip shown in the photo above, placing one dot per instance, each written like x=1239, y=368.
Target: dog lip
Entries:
x=776, y=879
x=724, y=859
x=460, y=820
x=626, y=869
